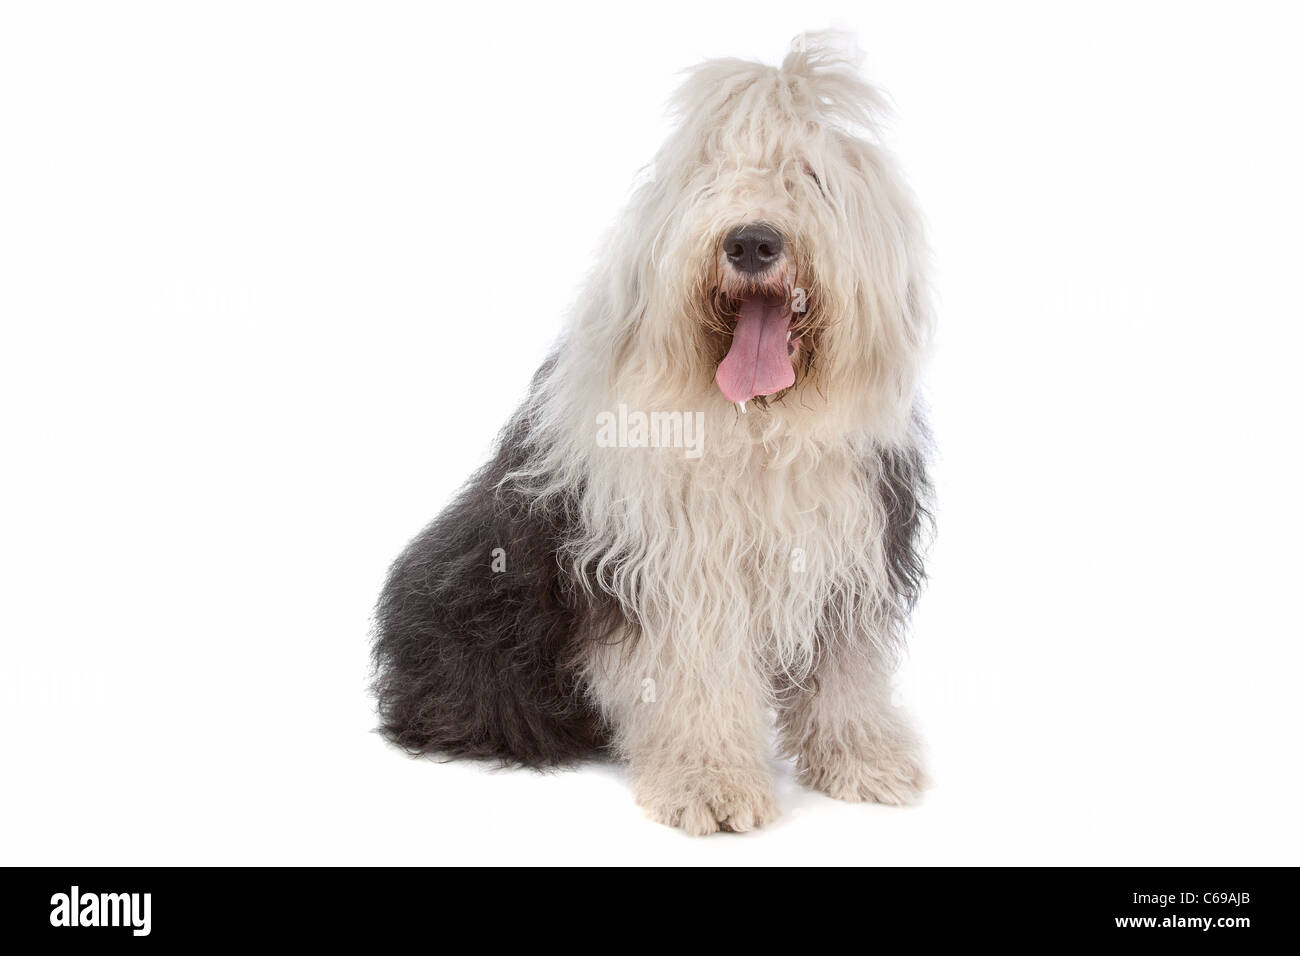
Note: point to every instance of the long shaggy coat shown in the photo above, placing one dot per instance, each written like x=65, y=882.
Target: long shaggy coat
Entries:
x=658, y=603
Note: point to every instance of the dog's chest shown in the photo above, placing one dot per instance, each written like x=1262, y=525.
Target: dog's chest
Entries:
x=764, y=546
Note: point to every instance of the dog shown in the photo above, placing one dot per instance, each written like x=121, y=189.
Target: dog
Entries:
x=605, y=586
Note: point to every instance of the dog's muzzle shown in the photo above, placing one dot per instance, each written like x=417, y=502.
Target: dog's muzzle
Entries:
x=759, y=361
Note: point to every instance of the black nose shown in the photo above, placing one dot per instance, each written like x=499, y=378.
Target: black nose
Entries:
x=752, y=247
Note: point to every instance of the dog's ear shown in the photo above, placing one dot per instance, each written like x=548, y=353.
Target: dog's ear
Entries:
x=874, y=278
x=704, y=102
x=710, y=89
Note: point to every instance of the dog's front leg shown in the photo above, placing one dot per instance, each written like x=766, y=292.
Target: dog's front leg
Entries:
x=691, y=722
x=845, y=734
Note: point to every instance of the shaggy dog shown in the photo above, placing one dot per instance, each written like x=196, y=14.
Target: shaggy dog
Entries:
x=708, y=508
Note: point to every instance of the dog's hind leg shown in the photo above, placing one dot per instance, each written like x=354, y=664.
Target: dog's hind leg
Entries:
x=475, y=627
x=693, y=729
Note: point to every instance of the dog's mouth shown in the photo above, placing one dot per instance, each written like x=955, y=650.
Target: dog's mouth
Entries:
x=760, y=360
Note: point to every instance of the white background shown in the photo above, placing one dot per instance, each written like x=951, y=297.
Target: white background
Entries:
x=259, y=322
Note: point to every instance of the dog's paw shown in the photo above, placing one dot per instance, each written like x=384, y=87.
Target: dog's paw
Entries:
x=882, y=773
x=735, y=804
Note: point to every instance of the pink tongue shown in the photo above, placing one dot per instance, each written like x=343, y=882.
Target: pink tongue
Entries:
x=759, y=360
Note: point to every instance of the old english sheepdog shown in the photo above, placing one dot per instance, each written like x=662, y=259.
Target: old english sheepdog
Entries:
x=707, y=515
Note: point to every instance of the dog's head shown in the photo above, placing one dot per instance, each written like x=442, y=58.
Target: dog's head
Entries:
x=777, y=252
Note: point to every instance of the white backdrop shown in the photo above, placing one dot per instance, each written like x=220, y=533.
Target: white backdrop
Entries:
x=258, y=326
